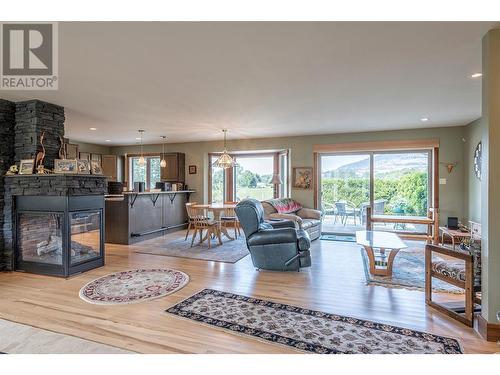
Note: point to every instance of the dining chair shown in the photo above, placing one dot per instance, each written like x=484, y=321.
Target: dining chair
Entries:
x=201, y=222
x=190, y=213
x=229, y=218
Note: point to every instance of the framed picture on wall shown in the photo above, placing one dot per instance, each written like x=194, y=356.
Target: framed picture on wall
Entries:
x=302, y=177
x=192, y=169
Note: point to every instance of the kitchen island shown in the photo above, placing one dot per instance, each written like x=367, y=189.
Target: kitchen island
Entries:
x=132, y=217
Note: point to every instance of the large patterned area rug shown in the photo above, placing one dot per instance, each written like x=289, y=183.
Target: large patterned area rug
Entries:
x=307, y=330
x=177, y=246
x=133, y=286
x=408, y=272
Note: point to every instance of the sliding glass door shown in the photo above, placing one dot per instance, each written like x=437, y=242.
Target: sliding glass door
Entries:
x=344, y=191
x=393, y=183
x=401, y=187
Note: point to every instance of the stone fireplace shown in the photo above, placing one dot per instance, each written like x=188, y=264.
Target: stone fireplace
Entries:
x=59, y=235
x=57, y=223
x=49, y=224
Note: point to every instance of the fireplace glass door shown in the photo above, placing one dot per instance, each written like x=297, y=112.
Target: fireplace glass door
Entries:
x=40, y=237
x=85, y=236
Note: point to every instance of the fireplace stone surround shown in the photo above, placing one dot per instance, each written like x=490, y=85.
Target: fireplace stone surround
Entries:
x=21, y=125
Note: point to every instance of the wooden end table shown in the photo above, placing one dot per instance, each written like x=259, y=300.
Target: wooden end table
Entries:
x=456, y=235
x=381, y=248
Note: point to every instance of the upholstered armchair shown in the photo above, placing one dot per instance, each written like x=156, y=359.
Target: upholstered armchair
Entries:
x=278, y=247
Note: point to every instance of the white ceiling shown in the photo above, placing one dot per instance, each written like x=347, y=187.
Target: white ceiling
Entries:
x=190, y=80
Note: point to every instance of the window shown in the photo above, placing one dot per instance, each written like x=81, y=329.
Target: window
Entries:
x=218, y=177
x=283, y=167
x=253, y=175
x=250, y=178
x=148, y=173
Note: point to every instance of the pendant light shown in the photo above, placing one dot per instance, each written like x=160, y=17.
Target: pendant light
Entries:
x=225, y=160
x=142, y=161
x=163, y=162
x=276, y=180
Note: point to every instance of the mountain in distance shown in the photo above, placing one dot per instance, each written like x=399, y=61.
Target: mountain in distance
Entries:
x=386, y=166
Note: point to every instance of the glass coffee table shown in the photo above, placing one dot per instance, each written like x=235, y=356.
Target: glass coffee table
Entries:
x=381, y=248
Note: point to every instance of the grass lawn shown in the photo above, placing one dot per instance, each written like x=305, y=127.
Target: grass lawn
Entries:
x=257, y=193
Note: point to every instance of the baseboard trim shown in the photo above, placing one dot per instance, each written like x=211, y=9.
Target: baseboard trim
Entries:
x=488, y=331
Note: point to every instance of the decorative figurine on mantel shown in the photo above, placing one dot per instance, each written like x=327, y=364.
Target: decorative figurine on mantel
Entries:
x=42, y=170
x=40, y=156
x=13, y=170
x=62, y=148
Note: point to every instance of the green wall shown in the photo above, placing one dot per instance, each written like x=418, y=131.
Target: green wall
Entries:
x=452, y=202
x=92, y=148
x=472, y=205
x=490, y=179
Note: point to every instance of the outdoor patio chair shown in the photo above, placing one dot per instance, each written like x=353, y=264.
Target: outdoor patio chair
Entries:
x=344, y=210
x=328, y=209
x=362, y=213
x=379, y=206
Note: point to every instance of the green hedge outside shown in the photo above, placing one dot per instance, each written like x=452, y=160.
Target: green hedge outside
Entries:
x=406, y=195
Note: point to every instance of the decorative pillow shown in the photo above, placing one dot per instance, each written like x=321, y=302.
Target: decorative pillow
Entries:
x=285, y=205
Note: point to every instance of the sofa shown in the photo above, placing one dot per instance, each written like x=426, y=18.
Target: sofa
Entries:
x=275, y=247
x=307, y=219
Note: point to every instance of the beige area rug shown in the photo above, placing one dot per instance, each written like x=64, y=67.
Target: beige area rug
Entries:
x=174, y=245
x=18, y=338
x=133, y=286
x=307, y=330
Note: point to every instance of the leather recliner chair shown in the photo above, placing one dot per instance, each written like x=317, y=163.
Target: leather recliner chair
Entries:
x=273, y=246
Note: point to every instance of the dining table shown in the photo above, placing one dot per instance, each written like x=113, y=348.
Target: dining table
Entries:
x=218, y=210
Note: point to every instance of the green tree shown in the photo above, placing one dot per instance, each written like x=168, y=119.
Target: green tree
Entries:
x=407, y=194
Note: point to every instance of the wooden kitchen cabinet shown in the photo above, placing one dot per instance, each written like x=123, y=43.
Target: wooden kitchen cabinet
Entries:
x=175, y=169
x=109, y=164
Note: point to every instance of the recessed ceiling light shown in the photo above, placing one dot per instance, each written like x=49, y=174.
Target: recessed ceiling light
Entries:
x=138, y=139
x=92, y=128
x=108, y=140
x=424, y=119
x=476, y=75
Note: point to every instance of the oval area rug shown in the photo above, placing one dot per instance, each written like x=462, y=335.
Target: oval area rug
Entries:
x=133, y=286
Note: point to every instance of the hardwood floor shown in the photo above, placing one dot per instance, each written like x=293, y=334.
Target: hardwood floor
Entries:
x=335, y=283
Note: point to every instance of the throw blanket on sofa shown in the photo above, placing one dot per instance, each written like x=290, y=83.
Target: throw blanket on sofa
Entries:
x=285, y=205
